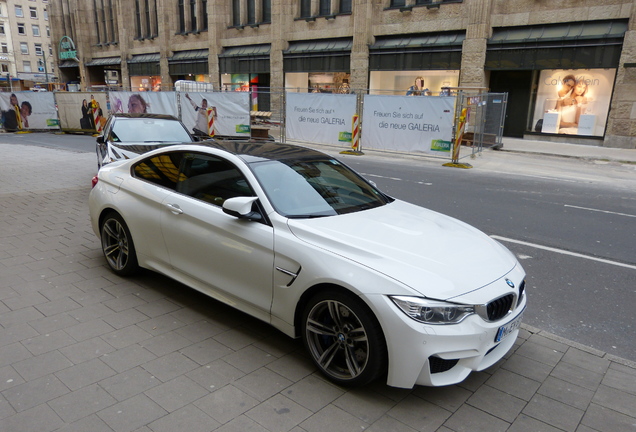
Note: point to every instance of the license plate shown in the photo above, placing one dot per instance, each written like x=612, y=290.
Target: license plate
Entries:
x=505, y=330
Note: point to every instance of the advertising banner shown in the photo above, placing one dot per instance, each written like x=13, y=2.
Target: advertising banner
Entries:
x=574, y=102
x=28, y=110
x=220, y=113
x=408, y=123
x=320, y=117
x=144, y=102
x=82, y=111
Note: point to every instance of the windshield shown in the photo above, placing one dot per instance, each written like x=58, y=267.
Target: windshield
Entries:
x=315, y=188
x=149, y=130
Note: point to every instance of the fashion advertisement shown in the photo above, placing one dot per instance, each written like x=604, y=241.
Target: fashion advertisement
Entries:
x=220, y=113
x=28, y=110
x=144, y=102
x=82, y=111
x=573, y=102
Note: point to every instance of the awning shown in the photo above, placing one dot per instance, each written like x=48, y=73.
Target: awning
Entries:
x=192, y=56
x=145, y=58
x=577, y=45
x=422, y=51
x=105, y=61
x=420, y=42
x=319, y=46
x=322, y=55
x=247, y=50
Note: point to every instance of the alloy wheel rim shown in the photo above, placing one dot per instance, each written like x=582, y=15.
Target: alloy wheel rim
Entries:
x=115, y=244
x=337, y=340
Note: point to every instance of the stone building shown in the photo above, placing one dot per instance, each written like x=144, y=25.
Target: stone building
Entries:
x=26, y=55
x=528, y=49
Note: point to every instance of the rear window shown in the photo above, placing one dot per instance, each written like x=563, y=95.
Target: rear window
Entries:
x=149, y=130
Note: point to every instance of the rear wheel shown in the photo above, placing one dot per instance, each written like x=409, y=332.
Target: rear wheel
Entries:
x=344, y=338
x=118, y=246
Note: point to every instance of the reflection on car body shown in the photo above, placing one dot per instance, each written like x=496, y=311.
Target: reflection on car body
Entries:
x=374, y=286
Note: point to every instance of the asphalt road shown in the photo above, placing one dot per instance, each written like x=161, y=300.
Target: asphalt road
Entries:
x=571, y=223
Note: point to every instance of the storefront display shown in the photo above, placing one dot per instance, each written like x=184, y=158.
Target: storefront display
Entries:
x=404, y=82
x=573, y=102
x=145, y=83
x=318, y=82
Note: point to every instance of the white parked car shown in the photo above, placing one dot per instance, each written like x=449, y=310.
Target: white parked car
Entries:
x=375, y=287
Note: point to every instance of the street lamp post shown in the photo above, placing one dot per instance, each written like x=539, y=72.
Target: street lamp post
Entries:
x=46, y=73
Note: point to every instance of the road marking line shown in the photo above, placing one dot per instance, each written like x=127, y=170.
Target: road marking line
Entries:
x=564, y=252
x=601, y=211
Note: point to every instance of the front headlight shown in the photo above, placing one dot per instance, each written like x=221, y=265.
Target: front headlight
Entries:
x=432, y=311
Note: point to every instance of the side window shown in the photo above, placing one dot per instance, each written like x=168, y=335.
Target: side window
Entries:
x=211, y=179
x=162, y=170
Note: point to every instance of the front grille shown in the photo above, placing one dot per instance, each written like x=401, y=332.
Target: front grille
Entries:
x=438, y=365
x=499, y=308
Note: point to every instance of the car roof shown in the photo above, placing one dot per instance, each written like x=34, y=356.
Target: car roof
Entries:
x=145, y=115
x=251, y=151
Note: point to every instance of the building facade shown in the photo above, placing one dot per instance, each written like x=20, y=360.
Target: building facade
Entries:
x=26, y=54
x=568, y=66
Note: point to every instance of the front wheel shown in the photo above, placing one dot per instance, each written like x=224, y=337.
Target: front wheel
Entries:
x=118, y=246
x=344, y=338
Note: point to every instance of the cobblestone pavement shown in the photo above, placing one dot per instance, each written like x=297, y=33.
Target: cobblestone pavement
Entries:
x=84, y=350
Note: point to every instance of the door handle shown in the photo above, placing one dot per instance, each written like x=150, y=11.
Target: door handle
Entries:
x=174, y=208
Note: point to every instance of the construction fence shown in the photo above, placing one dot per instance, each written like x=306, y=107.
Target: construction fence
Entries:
x=436, y=125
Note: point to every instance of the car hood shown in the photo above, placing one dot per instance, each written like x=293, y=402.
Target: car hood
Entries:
x=436, y=255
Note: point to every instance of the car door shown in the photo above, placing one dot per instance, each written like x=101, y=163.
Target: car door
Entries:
x=233, y=257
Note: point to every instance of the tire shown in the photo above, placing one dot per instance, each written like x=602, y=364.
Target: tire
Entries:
x=343, y=338
x=117, y=245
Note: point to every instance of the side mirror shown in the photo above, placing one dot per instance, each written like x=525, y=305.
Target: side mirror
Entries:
x=100, y=139
x=241, y=207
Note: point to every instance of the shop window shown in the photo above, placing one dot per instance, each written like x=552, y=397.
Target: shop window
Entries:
x=36, y=30
x=345, y=6
x=33, y=12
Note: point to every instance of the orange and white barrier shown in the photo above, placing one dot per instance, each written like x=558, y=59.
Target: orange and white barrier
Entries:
x=355, y=133
x=211, y=114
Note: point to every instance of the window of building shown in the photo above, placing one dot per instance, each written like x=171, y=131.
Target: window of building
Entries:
x=204, y=16
x=36, y=30
x=5, y=67
x=305, y=8
x=137, y=20
x=4, y=47
x=236, y=12
x=18, y=11
x=38, y=49
x=48, y=31
x=398, y=3
x=1, y=28
x=181, y=12
x=345, y=6
x=251, y=11
x=325, y=7
x=26, y=66
x=267, y=11
x=46, y=14
x=21, y=29
x=193, y=15
x=33, y=12
x=24, y=48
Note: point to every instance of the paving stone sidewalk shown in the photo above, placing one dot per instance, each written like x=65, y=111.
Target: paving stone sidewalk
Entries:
x=84, y=350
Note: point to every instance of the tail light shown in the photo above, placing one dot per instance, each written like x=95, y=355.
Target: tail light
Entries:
x=94, y=182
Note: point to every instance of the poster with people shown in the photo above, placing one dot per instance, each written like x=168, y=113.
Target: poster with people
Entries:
x=573, y=102
x=144, y=102
x=22, y=111
x=212, y=114
x=82, y=111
